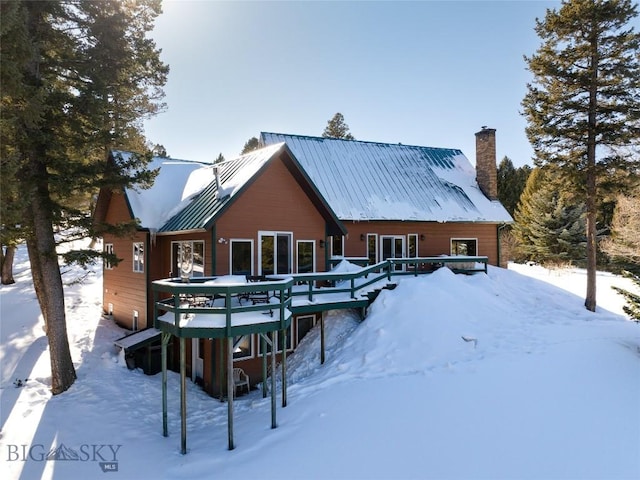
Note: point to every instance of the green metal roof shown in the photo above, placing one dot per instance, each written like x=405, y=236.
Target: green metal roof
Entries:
x=234, y=175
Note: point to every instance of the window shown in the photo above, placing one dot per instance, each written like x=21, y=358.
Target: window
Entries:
x=138, y=257
x=372, y=248
x=303, y=325
x=241, y=257
x=187, y=259
x=306, y=256
x=276, y=253
x=464, y=246
x=413, y=245
x=108, y=249
x=336, y=244
x=242, y=347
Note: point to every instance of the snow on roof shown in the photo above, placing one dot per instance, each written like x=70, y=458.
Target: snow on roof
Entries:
x=381, y=181
x=178, y=181
x=233, y=175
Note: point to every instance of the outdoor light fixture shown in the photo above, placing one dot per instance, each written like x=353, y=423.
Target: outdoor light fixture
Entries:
x=321, y=243
x=422, y=237
x=362, y=237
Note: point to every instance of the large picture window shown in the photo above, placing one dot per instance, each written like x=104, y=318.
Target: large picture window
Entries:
x=187, y=259
x=464, y=246
x=138, y=257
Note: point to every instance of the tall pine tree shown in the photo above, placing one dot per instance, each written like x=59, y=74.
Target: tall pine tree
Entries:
x=337, y=128
x=549, y=226
x=511, y=182
x=583, y=105
x=84, y=78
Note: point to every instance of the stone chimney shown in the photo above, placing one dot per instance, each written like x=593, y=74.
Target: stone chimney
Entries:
x=486, y=171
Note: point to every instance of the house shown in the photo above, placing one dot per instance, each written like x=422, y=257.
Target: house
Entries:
x=291, y=207
x=405, y=201
x=255, y=215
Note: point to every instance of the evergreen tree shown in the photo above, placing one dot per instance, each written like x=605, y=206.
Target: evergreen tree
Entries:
x=624, y=247
x=219, y=158
x=250, y=145
x=583, y=106
x=337, y=128
x=511, y=182
x=550, y=228
x=83, y=78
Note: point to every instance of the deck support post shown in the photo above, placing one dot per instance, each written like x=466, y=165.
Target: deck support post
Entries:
x=183, y=397
x=322, y=338
x=165, y=338
x=230, y=391
x=283, y=337
x=273, y=382
x=263, y=349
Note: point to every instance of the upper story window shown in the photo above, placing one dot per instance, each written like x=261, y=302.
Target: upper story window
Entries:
x=108, y=249
x=187, y=259
x=138, y=256
x=306, y=256
x=336, y=244
x=464, y=246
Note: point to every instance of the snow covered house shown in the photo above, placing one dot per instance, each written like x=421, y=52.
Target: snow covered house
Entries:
x=405, y=201
x=292, y=207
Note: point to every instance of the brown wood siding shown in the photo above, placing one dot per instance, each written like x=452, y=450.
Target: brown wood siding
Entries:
x=274, y=202
x=437, y=236
x=122, y=287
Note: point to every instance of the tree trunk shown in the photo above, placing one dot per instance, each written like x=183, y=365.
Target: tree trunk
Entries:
x=591, y=190
x=7, y=265
x=47, y=280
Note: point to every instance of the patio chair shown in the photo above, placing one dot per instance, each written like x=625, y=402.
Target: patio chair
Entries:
x=240, y=379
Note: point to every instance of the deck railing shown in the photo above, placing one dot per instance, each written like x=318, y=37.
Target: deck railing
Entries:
x=277, y=293
x=199, y=295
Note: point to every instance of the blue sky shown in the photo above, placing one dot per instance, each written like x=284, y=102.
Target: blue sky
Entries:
x=418, y=73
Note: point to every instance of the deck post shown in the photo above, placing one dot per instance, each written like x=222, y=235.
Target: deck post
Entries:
x=273, y=382
x=322, y=338
x=230, y=391
x=165, y=337
x=263, y=349
x=183, y=397
x=283, y=336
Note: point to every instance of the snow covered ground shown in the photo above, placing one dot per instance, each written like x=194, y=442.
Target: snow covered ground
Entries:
x=542, y=389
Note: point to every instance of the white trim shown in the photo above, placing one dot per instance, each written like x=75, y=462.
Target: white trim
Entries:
x=416, y=236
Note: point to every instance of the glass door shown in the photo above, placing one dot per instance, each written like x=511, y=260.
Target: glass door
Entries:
x=276, y=253
x=393, y=247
